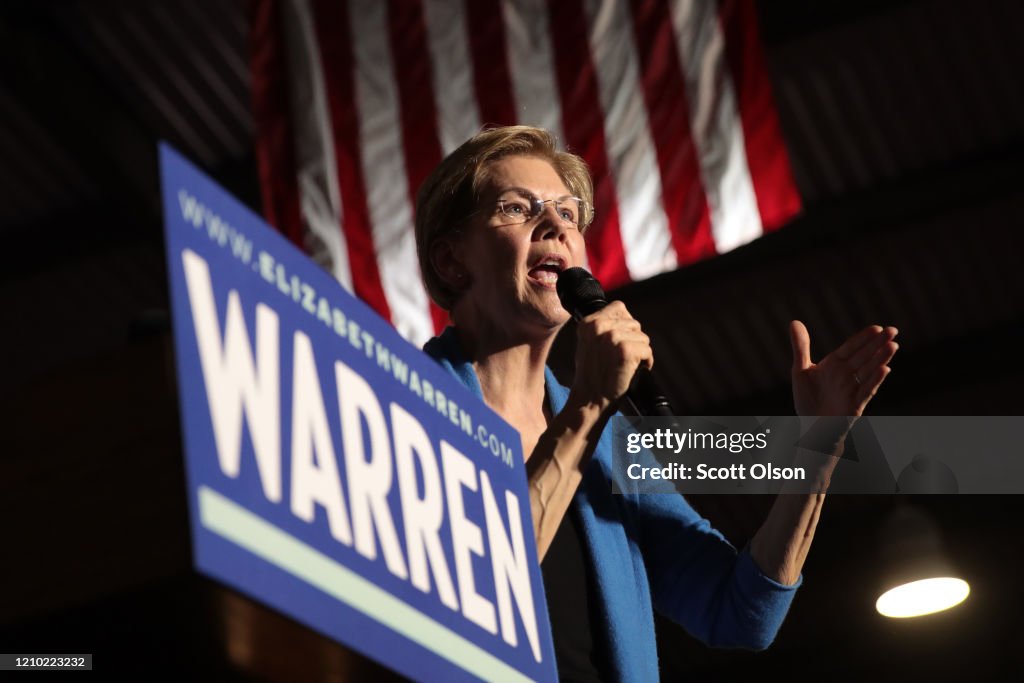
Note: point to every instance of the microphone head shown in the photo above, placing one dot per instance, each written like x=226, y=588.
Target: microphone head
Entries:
x=580, y=292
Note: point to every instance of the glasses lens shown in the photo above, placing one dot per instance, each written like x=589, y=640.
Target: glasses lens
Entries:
x=569, y=210
x=521, y=209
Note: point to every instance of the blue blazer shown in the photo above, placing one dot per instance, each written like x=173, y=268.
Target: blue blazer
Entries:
x=652, y=552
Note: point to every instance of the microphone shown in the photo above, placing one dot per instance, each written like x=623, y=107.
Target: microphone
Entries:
x=581, y=295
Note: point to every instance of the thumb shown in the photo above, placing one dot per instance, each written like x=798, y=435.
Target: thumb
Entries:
x=801, y=342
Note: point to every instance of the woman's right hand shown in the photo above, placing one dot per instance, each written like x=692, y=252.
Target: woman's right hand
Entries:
x=610, y=346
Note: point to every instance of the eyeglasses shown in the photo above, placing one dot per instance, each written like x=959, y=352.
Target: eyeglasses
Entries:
x=522, y=208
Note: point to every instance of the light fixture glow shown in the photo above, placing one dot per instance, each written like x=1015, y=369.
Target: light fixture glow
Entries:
x=926, y=596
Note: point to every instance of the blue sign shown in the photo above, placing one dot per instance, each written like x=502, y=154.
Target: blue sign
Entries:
x=335, y=472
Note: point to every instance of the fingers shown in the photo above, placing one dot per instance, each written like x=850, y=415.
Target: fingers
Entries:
x=801, y=342
x=857, y=342
x=619, y=336
x=865, y=353
x=875, y=368
x=614, y=315
x=845, y=380
x=879, y=358
x=638, y=352
x=616, y=310
x=633, y=346
x=882, y=355
x=869, y=386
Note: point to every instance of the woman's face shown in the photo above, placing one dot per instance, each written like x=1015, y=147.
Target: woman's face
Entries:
x=512, y=267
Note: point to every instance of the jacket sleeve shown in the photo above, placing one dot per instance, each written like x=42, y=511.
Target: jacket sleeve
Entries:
x=699, y=580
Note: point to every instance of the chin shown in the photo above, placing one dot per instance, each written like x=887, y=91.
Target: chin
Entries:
x=546, y=320
x=556, y=319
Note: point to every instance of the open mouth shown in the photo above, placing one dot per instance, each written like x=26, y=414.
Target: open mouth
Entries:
x=546, y=270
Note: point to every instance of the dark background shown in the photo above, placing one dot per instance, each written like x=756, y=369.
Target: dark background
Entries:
x=905, y=125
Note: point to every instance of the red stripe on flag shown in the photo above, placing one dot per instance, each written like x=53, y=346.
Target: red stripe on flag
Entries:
x=407, y=32
x=275, y=143
x=489, y=51
x=668, y=113
x=583, y=126
x=777, y=196
x=334, y=37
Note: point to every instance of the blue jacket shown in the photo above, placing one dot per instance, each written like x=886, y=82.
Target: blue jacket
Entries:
x=654, y=552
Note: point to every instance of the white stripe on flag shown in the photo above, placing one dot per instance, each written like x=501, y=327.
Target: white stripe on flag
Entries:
x=458, y=116
x=384, y=171
x=531, y=62
x=646, y=238
x=532, y=66
x=315, y=166
x=715, y=123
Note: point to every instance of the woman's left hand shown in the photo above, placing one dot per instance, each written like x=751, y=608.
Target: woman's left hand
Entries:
x=844, y=381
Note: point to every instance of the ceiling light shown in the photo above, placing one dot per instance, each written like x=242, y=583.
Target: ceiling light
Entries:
x=924, y=596
x=918, y=576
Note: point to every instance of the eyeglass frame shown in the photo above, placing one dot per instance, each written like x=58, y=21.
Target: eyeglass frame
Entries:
x=537, y=207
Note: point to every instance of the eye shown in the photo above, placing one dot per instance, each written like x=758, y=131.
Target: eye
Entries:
x=515, y=208
x=567, y=214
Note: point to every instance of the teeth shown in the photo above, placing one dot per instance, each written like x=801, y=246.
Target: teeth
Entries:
x=547, y=277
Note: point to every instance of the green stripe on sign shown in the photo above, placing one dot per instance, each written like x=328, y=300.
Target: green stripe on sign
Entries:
x=232, y=521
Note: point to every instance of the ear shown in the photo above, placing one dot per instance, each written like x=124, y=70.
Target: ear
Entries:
x=448, y=265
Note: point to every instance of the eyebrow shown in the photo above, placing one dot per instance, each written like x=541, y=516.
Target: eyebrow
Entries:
x=528, y=193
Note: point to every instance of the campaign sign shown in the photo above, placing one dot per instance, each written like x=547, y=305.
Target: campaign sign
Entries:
x=335, y=472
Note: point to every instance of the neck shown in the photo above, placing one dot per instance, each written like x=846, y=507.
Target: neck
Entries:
x=511, y=373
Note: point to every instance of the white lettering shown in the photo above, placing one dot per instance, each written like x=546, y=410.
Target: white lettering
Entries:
x=368, y=480
x=422, y=516
x=314, y=478
x=459, y=471
x=511, y=570
x=234, y=384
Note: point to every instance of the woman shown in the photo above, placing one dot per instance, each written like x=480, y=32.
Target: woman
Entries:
x=495, y=223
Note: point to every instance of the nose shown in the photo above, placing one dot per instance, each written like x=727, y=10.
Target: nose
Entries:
x=550, y=224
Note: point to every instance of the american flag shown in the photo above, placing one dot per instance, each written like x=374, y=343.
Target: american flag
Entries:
x=668, y=101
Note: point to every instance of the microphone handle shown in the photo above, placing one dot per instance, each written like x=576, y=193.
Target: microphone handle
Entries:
x=644, y=396
x=653, y=402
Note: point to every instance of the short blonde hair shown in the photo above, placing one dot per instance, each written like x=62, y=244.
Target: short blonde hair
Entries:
x=451, y=193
